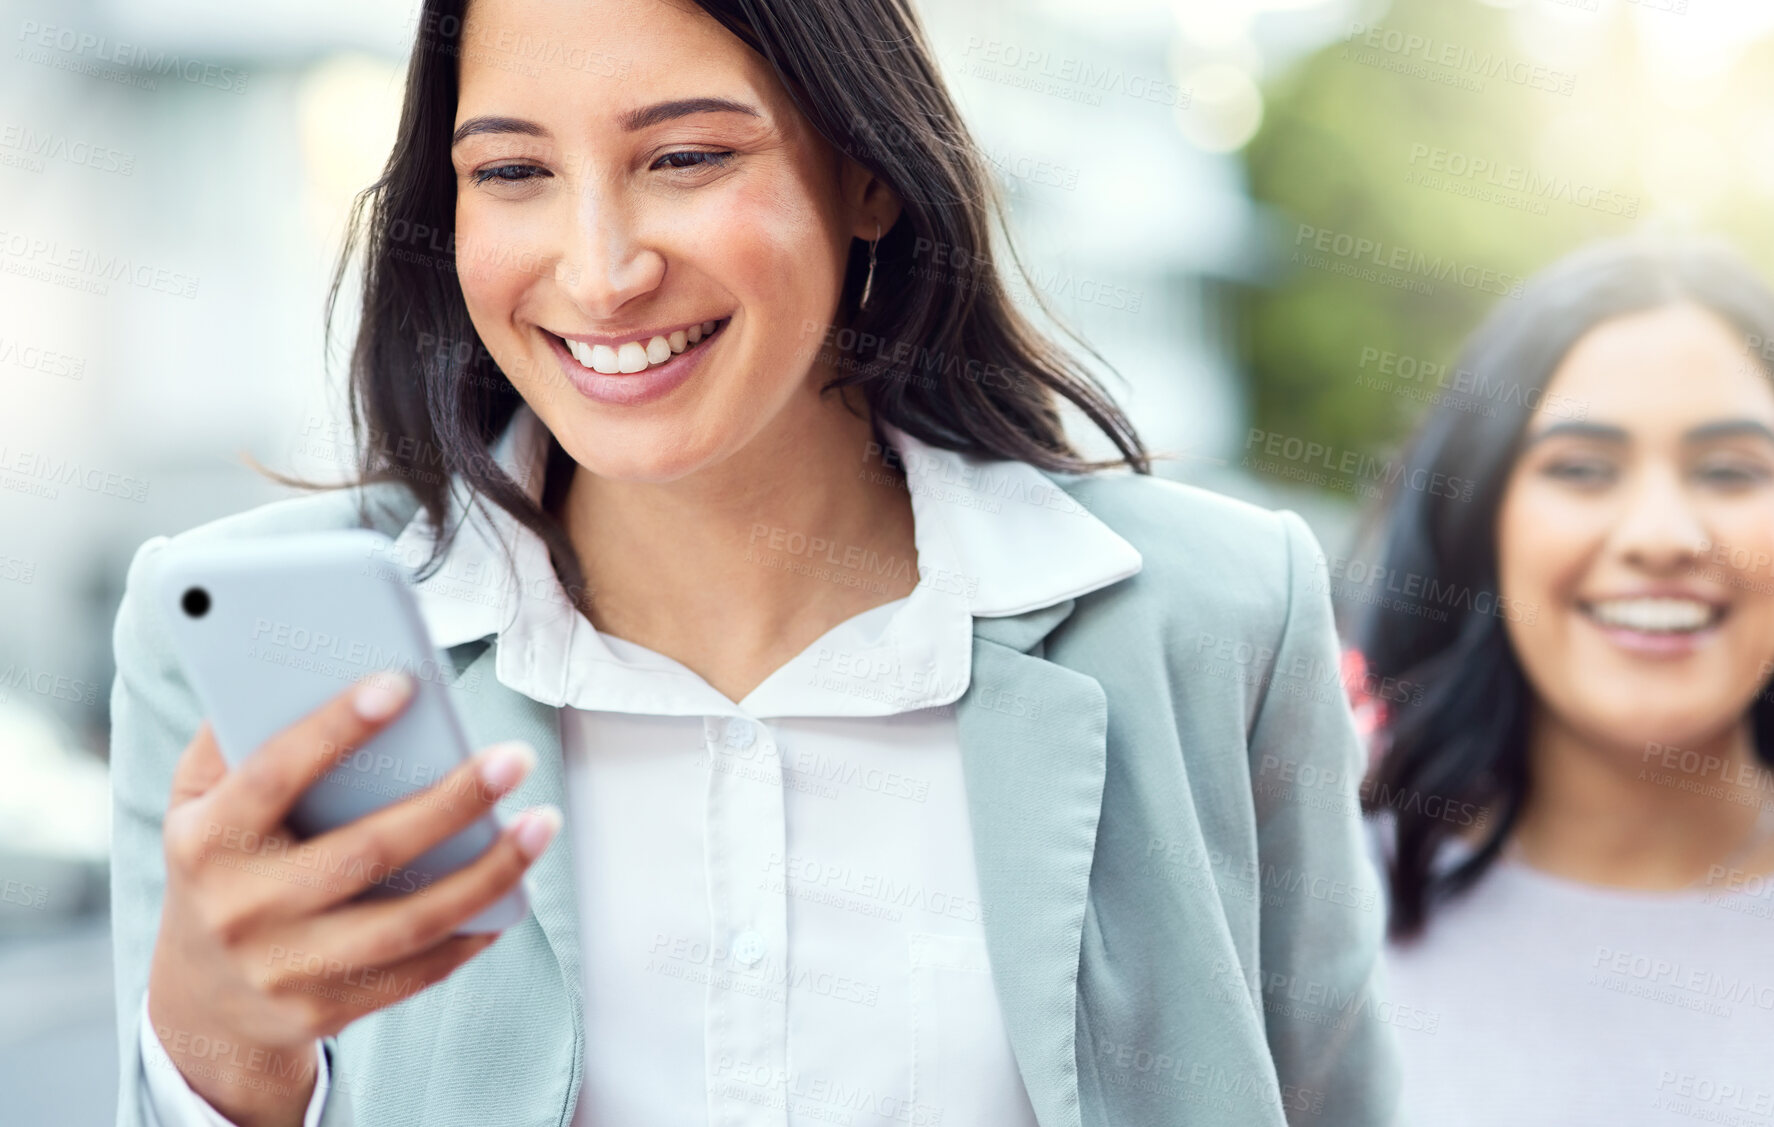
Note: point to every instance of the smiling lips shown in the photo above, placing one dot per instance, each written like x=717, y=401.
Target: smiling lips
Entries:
x=1660, y=615
x=639, y=355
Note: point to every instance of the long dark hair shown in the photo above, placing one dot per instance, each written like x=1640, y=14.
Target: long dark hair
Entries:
x=1463, y=744
x=961, y=368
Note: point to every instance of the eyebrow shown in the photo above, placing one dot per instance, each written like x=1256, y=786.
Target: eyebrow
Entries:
x=636, y=120
x=1730, y=428
x=632, y=121
x=1708, y=432
x=1597, y=431
x=475, y=126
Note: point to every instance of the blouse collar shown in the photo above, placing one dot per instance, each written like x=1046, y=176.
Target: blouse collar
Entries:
x=993, y=539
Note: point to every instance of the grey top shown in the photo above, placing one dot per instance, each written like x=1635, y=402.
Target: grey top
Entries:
x=1539, y=1000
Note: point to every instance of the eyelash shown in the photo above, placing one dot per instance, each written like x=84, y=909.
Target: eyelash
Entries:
x=1589, y=472
x=716, y=159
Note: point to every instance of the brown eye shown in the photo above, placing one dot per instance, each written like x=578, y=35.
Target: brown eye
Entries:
x=507, y=173
x=1585, y=472
x=689, y=159
x=1732, y=473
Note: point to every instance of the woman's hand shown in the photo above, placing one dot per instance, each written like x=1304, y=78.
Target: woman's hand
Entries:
x=260, y=950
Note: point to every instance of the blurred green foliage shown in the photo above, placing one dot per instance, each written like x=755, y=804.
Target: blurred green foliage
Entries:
x=1351, y=143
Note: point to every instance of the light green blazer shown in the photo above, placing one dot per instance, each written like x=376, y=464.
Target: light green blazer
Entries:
x=1182, y=922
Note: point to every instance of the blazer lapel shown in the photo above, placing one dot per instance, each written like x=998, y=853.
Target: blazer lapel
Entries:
x=1033, y=746
x=492, y=713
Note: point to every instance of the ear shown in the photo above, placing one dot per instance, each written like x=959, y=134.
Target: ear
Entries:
x=873, y=206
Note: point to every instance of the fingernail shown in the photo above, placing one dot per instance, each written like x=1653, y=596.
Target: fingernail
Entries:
x=381, y=695
x=505, y=765
x=536, y=828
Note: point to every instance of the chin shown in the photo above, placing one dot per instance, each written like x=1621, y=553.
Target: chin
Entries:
x=1638, y=727
x=659, y=456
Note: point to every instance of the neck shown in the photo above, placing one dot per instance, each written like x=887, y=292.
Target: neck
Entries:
x=720, y=569
x=1639, y=816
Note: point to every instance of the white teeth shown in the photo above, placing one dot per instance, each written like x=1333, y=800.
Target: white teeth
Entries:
x=638, y=355
x=1656, y=616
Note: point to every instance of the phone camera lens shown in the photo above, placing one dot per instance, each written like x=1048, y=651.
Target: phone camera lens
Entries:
x=195, y=602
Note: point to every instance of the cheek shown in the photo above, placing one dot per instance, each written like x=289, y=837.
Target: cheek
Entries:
x=1741, y=559
x=1546, y=541
x=775, y=243
x=492, y=280
x=1543, y=544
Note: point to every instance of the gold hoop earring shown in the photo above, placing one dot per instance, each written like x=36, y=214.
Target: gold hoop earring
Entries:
x=868, y=283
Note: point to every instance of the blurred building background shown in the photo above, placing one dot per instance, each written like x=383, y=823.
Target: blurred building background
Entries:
x=175, y=175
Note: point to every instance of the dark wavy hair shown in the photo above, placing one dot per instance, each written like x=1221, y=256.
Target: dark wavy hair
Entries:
x=962, y=370
x=1464, y=741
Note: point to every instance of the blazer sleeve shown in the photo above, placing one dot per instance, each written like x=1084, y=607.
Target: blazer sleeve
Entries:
x=1324, y=929
x=154, y=714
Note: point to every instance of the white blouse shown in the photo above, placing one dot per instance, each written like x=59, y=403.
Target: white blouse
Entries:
x=780, y=919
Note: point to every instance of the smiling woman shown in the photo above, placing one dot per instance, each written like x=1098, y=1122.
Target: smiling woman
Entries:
x=1579, y=808
x=892, y=783
x=812, y=151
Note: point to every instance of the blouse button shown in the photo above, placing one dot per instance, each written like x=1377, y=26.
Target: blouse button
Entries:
x=739, y=733
x=748, y=947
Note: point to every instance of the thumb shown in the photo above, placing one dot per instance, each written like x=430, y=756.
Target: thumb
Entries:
x=198, y=769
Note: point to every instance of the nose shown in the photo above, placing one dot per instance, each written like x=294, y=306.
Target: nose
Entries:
x=1661, y=530
x=604, y=265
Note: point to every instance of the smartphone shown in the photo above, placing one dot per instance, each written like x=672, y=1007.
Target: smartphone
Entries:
x=269, y=629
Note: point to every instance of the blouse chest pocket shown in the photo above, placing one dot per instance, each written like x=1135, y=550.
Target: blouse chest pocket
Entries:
x=963, y=1071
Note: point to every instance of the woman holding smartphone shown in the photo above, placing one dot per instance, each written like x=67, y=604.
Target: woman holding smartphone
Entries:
x=902, y=780
x=1577, y=809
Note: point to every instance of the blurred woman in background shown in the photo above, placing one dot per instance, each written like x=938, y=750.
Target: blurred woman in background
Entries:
x=1576, y=813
